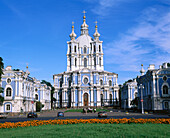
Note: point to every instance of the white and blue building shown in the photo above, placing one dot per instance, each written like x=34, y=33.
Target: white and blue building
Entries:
x=155, y=88
x=22, y=91
x=85, y=83
x=129, y=92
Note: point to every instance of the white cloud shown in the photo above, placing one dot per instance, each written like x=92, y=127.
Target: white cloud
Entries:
x=148, y=42
x=102, y=7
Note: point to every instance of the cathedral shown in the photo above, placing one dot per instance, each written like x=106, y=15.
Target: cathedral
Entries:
x=85, y=83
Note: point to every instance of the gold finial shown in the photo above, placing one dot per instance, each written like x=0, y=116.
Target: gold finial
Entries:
x=84, y=17
x=95, y=23
x=72, y=24
x=142, y=65
x=27, y=65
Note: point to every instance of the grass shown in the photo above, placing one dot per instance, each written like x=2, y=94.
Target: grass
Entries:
x=81, y=110
x=90, y=130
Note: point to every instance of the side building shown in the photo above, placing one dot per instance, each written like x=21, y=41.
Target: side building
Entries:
x=21, y=92
x=129, y=92
x=154, y=88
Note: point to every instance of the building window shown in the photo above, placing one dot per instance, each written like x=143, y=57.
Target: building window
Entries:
x=101, y=82
x=70, y=49
x=100, y=61
x=8, y=80
x=70, y=62
x=8, y=107
x=85, y=50
x=36, y=96
x=94, y=48
x=166, y=105
x=8, y=92
x=110, y=83
x=94, y=61
x=136, y=95
x=76, y=62
x=74, y=48
x=86, y=80
x=91, y=45
x=165, y=89
x=85, y=62
x=165, y=78
x=99, y=48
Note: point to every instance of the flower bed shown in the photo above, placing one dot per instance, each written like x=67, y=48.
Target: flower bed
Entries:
x=84, y=121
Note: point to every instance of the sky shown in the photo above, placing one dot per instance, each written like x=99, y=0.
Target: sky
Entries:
x=35, y=32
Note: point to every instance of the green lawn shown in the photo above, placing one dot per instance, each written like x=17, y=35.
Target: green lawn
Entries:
x=90, y=130
x=81, y=110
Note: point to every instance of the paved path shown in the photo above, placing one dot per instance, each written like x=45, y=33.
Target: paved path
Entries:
x=77, y=115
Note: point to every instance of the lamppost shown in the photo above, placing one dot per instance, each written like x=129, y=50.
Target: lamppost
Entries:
x=141, y=87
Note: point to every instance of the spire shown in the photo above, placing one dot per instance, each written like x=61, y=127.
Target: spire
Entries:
x=142, y=71
x=96, y=34
x=84, y=26
x=72, y=35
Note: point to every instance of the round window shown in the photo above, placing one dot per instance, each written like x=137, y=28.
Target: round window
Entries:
x=8, y=80
x=86, y=80
x=165, y=78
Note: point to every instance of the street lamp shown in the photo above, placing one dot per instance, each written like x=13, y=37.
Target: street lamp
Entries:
x=141, y=87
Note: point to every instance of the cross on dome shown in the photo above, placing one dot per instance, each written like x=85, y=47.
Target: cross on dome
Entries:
x=73, y=35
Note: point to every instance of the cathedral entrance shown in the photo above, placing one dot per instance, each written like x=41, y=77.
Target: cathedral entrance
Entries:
x=85, y=99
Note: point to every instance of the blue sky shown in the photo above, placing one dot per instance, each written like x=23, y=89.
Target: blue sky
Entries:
x=36, y=32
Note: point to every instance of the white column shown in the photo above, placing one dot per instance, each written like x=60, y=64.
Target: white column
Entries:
x=79, y=97
x=98, y=97
x=92, y=97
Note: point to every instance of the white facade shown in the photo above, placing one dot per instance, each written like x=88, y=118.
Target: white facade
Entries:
x=85, y=83
x=20, y=90
x=129, y=92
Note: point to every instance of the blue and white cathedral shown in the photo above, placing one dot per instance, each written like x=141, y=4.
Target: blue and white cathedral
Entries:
x=85, y=83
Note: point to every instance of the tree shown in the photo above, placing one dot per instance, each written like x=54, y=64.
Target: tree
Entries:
x=134, y=102
x=168, y=64
x=52, y=91
x=1, y=72
x=39, y=106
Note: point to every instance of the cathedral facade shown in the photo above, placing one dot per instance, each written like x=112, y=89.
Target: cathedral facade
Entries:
x=85, y=83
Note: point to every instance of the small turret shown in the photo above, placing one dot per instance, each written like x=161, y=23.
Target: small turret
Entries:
x=84, y=26
x=72, y=35
x=142, y=71
x=96, y=34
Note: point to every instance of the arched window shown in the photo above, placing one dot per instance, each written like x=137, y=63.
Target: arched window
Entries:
x=94, y=48
x=110, y=83
x=8, y=92
x=70, y=49
x=85, y=50
x=94, y=61
x=85, y=62
x=100, y=61
x=74, y=48
x=101, y=82
x=99, y=48
x=165, y=89
x=76, y=62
